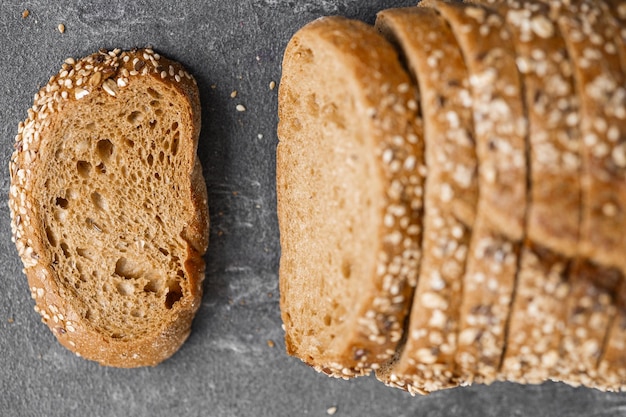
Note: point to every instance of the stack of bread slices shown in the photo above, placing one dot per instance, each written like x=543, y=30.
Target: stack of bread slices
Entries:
x=452, y=194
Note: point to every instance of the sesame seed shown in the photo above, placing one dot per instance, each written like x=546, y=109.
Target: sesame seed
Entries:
x=61, y=28
x=331, y=411
x=110, y=87
x=25, y=13
x=272, y=85
x=240, y=108
x=80, y=93
x=233, y=94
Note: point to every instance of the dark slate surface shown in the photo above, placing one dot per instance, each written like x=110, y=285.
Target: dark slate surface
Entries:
x=227, y=367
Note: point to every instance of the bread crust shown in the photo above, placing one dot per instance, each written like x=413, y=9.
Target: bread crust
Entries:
x=386, y=103
x=538, y=309
x=500, y=123
x=104, y=73
x=426, y=361
x=594, y=42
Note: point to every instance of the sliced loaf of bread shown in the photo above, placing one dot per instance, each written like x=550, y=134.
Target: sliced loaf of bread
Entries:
x=349, y=183
x=109, y=206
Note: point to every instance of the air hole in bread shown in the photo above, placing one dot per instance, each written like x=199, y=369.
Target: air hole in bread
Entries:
x=137, y=313
x=135, y=118
x=155, y=103
x=129, y=269
x=85, y=253
x=174, y=126
x=101, y=168
x=154, y=285
x=65, y=249
x=157, y=176
x=164, y=251
x=174, y=294
x=125, y=288
x=130, y=143
x=61, y=202
x=152, y=123
x=161, y=156
x=328, y=320
x=346, y=269
x=83, y=168
x=153, y=93
x=99, y=201
x=90, y=126
x=158, y=112
x=175, y=142
x=50, y=235
x=104, y=148
x=159, y=220
x=150, y=160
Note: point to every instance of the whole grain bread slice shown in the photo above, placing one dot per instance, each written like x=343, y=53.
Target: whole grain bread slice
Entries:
x=109, y=206
x=590, y=309
x=349, y=185
x=612, y=363
x=594, y=44
x=538, y=309
x=500, y=132
x=426, y=362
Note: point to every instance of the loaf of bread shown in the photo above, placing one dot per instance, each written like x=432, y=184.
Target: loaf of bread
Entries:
x=109, y=206
x=521, y=269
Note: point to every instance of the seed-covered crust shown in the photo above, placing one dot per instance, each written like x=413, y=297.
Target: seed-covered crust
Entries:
x=538, y=316
x=500, y=124
x=593, y=43
x=589, y=311
x=426, y=362
x=612, y=364
x=537, y=312
x=330, y=65
x=102, y=77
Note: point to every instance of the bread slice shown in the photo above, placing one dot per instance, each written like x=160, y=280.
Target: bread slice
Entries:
x=590, y=308
x=594, y=42
x=612, y=363
x=538, y=316
x=349, y=186
x=500, y=124
x=617, y=10
x=426, y=362
x=538, y=311
x=109, y=206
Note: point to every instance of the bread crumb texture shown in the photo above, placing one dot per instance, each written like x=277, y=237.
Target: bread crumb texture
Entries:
x=452, y=194
x=109, y=208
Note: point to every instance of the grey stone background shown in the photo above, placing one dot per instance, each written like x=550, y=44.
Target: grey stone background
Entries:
x=226, y=368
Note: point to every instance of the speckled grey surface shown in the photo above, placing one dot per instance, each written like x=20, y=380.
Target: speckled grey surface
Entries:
x=226, y=368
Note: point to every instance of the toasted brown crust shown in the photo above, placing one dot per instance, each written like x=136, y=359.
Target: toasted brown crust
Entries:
x=353, y=54
x=538, y=316
x=538, y=311
x=500, y=123
x=612, y=364
x=593, y=43
x=103, y=73
x=589, y=312
x=426, y=362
